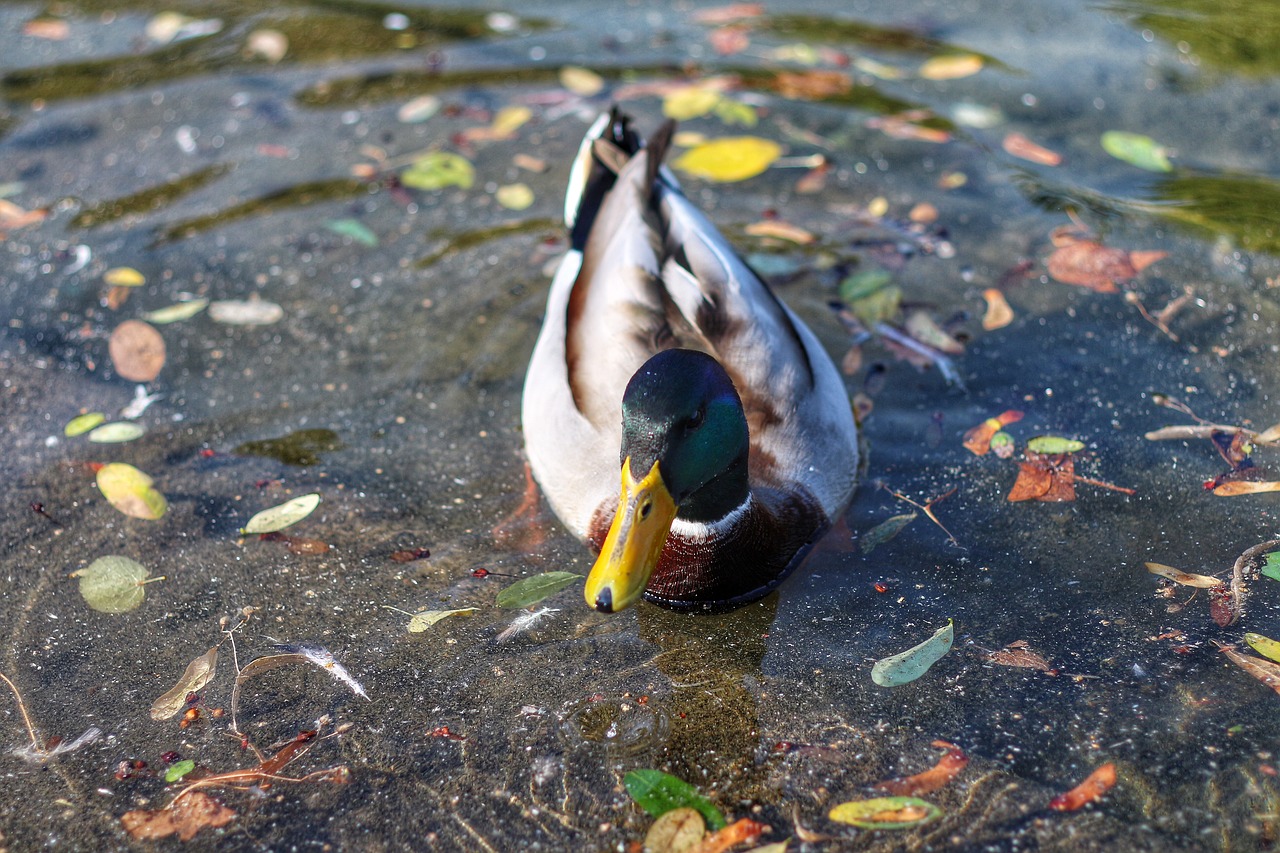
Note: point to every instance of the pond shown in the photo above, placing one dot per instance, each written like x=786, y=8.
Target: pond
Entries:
x=369, y=320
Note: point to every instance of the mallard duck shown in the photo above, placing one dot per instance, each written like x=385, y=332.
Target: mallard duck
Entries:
x=665, y=359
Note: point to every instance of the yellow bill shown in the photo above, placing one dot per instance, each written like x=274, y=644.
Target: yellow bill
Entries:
x=634, y=542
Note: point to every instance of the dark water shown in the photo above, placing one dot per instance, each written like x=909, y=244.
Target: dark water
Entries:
x=391, y=386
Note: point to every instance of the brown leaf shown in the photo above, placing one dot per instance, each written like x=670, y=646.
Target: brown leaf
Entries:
x=13, y=217
x=814, y=180
x=197, y=674
x=811, y=85
x=1232, y=488
x=731, y=12
x=1023, y=148
x=948, y=767
x=977, y=440
x=1098, y=783
x=187, y=816
x=1018, y=654
x=1268, y=672
x=998, y=314
x=137, y=351
x=781, y=230
x=1044, y=478
x=729, y=40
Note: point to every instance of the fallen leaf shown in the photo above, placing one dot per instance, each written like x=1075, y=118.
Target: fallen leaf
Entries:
x=812, y=85
x=780, y=230
x=1184, y=578
x=741, y=831
x=1094, y=786
x=1023, y=148
x=1263, y=645
x=690, y=102
x=907, y=666
x=53, y=29
x=176, y=312
x=130, y=491
x=271, y=45
x=1224, y=606
x=167, y=27
x=419, y=109
x=583, y=82
x=978, y=439
x=123, y=277
x=885, y=813
x=1044, y=478
x=197, y=674
x=186, y=817
x=355, y=229
x=506, y=122
x=1097, y=267
x=734, y=158
x=174, y=772
x=729, y=39
x=438, y=170
x=884, y=531
x=920, y=325
x=731, y=12
x=1137, y=150
x=137, y=351
x=117, y=432
x=909, y=127
x=676, y=831
x=112, y=584
x=13, y=217
x=529, y=163
x=658, y=793
x=514, y=196
x=951, y=67
x=998, y=314
x=83, y=423
x=247, y=312
x=531, y=590
x=284, y=515
x=1017, y=654
x=424, y=619
x=947, y=768
x=1050, y=445
x=291, y=655
x=1232, y=488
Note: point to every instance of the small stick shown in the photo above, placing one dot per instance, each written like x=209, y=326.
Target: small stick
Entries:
x=26, y=718
x=927, y=509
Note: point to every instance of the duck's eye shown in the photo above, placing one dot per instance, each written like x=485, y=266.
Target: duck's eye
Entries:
x=695, y=420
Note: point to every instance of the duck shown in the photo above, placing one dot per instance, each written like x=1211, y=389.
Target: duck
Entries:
x=678, y=417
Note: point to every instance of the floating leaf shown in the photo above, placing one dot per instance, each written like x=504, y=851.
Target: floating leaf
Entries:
x=129, y=490
x=690, y=102
x=583, y=82
x=884, y=531
x=998, y=314
x=504, y=125
x=438, y=170
x=117, y=432
x=1137, y=150
x=424, y=619
x=195, y=811
x=282, y=516
x=1265, y=671
x=813, y=85
x=1052, y=444
x=529, y=591
x=246, y=312
x=1090, y=264
x=734, y=158
x=781, y=230
x=197, y=674
x=947, y=768
x=1017, y=654
x=1094, y=786
x=923, y=328
x=1271, y=566
x=885, y=813
x=1185, y=578
x=176, y=312
x=658, y=793
x=1264, y=646
x=137, y=351
x=907, y=666
x=514, y=196
x=178, y=769
x=355, y=229
x=83, y=423
x=1023, y=148
x=1002, y=445
x=951, y=67
x=1044, y=478
x=1232, y=488
x=862, y=284
x=730, y=111
x=124, y=277
x=676, y=831
x=112, y=584
x=978, y=439
x=418, y=109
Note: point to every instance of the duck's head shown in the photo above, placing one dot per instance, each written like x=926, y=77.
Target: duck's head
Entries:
x=684, y=455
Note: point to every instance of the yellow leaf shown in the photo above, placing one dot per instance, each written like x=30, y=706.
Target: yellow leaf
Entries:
x=998, y=314
x=734, y=158
x=514, y=196
x=509, y=119
x=690, y=102
x=123, y=277
x=1231, y=488
x=129, y=490
x=951, y=67
x=581, y=81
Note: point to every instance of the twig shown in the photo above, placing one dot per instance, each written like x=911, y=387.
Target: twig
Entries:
x=1100, y=484
x=927, y=509
x=26, y=718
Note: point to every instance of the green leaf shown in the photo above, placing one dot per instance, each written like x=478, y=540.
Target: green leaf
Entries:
x=735, y=112
x=1263, y=645
x=117, y=432
x=884, y=531
x=529, y=591
x=690, y=102
x=82, y=424
x=885, y=813
x=112, y=584
x=129, y=490
x=1052, y=445
x=1137, y=150
x=884, y=304
x=862, y=284
x=1271, y=568
x=177, y=311
x=438, y=170
x=907, y=666
x=355, y=229
x=424, y=619
x=658, y=793
x=733, y=158
x=282, y=516
x=179, y=769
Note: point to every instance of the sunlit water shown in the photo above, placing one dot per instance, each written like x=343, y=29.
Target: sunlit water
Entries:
x=391, y=386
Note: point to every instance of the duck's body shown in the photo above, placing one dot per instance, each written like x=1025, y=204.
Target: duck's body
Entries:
x=721, y=498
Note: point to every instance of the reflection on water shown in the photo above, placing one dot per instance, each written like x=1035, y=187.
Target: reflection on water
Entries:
x=392, y=387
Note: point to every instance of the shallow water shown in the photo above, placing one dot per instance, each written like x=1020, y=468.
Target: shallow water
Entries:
x=391, y=386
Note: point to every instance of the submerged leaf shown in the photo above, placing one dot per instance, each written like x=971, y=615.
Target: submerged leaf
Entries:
x=1184, y=578
x=885, y=813
x=658, y=793
x=998, y=313
x=907, y=666
x=438, y=170
x=1265, y=671
x=177, y=311
x=977, y=440
x=187, y=816
x=734, y=158
x=1137, y=150
x=1023, y=148
x=676, y=831
x=112, y=584
x=951, y=67
x=245, y=312
x=581, y=81
x=514, y=196
x=1233, y=488
x=884, y=531
x=129, y=490
x=282, y=516
x=124, y=277
x=355, y=229
x=178, y=769
x=117, y=432
x=1052, y=445
x=137, y=351
x=690, y=102
x=424, y=619
x=303, y=653
x=1264, y=646
x=947, y=768
x=82, y=424
x=1271, y=566
x=1094, y=786
x=1090, y=264
x=529, y=591
x=197, y=674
